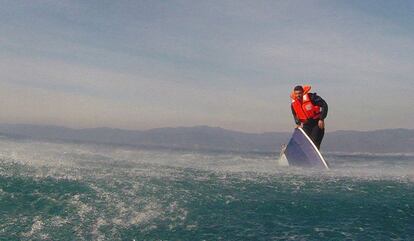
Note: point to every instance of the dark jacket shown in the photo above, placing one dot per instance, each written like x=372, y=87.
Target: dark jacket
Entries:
x=316, y=100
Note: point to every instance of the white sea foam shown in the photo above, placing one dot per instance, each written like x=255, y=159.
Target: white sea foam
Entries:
x=117, y=175
x=37, y=226
x=67, y=160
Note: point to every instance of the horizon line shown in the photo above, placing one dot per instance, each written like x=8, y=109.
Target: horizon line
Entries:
x=192, y=126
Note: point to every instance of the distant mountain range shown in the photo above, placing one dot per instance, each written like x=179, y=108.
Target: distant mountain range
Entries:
x=217, y=139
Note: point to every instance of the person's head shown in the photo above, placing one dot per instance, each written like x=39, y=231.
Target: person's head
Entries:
x=298, y=92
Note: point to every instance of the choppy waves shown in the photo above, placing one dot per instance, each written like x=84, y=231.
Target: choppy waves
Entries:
x=58, y=191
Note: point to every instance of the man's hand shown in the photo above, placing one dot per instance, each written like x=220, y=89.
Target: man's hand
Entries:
x=321, y=124
x=301, y=126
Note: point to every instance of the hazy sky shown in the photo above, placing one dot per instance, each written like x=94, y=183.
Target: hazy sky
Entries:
x=147, y=64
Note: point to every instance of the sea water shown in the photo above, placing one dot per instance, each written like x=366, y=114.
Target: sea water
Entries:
x=69, y=191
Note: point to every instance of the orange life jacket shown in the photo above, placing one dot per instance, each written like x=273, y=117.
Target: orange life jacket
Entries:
x=305, y=109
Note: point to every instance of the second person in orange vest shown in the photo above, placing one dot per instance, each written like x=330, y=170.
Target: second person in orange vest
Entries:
x=309, y=111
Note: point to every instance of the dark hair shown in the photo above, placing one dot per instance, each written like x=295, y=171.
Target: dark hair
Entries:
x=298, y=88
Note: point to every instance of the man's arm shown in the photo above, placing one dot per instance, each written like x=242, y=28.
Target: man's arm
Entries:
x=317, y=100
x=297, y=121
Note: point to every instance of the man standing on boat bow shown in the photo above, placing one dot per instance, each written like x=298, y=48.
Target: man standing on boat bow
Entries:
x=309, y=111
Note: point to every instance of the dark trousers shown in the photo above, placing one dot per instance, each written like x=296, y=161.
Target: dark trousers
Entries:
x=314, y=132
